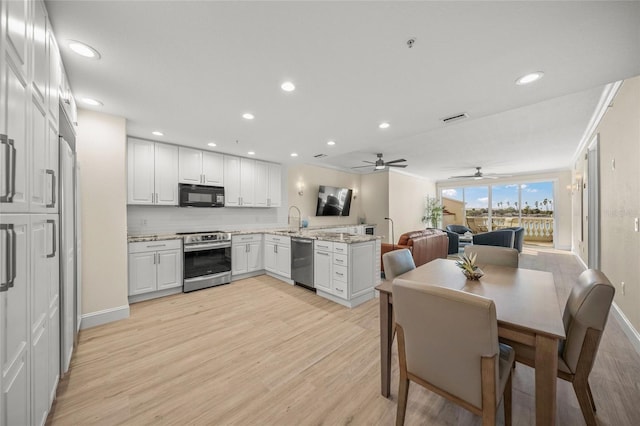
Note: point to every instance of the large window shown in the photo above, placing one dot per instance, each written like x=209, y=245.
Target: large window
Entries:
x=485, y=208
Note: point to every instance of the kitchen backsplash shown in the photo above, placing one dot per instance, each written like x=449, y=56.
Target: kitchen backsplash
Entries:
x=142, y=220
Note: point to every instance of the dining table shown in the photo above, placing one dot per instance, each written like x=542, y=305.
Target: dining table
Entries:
x=527, y=311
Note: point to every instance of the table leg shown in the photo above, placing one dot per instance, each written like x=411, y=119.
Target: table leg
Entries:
x=546, y=371
x=385, y=344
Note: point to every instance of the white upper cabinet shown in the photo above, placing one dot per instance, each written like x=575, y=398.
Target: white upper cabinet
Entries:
x=17, y=34
x=40, y=59
x=44, y=161
x=152, y=173
x=247, y=182
x=274, y=189
x=55, y=78
x=261, y=188
x=166, y=174
x=213, y=168
x=232, y=181
x=201, y=167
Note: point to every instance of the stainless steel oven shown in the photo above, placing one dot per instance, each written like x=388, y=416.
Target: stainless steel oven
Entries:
x=207, y=260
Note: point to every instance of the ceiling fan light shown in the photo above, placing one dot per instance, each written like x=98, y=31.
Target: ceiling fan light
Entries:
x=379, y=167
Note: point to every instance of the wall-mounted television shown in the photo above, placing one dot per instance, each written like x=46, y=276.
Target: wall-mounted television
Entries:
x=333, y=201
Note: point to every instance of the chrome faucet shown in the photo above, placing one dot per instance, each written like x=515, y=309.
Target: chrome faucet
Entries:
x=299, y=217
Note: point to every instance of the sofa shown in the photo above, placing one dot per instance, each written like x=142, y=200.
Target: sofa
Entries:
x=425, y=245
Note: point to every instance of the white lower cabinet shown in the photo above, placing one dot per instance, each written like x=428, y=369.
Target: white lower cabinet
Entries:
x=277, y=255
x=154, y=266
x=246, y=254
x=345, y=273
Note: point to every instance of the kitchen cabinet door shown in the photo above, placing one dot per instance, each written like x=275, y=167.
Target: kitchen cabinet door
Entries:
x=39, y=158
x=54, y=85
x=169, y=269
x=212, y=168
x=270, y=257
x=16, y=34
x=40, y=60
x=275, y=186
x=14, y=151
x=254, y=256
x=261, y=187
x=247, y=182
x=166, y=174
x=14, y=319
x=231, y=181
x=142, y=273
x=52, y=171
x=284, y=261
x=190, y=166
x=322, y=270
x=239, y=259
x=140, y=172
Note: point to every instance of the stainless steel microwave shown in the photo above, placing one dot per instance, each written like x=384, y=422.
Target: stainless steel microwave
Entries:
x=201, y=196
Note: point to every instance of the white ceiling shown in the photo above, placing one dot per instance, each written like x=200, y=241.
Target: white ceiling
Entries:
x=191, y=69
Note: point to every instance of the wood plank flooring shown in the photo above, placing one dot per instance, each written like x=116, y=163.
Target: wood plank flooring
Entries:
x=261, y=352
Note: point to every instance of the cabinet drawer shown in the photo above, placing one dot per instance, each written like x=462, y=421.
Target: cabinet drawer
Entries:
x=277, y=239
x=340, y=248
x=323, y=245
x=340, y=259
x=154, y=246
x=340, y=289
x=253, y=238
x=340, y=273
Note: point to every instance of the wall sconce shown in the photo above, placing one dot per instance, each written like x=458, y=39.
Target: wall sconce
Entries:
x=300, y=186
x=355, y=193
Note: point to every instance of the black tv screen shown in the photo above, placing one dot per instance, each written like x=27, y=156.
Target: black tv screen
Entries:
x=333, y=201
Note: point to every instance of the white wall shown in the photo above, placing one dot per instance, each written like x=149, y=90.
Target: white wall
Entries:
x=101, y=150
x=619, y=132
x=374, y=190
x=406, y=201
x=311, y=177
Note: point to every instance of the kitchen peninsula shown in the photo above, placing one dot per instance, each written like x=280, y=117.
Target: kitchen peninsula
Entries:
x=345, y=265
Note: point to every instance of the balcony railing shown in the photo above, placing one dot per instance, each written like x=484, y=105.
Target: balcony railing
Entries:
x=535, y=228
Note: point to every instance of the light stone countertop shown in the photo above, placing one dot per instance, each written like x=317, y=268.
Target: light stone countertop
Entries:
x=314, y=233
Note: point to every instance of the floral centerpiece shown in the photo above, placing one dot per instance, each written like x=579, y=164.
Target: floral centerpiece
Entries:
x=469, y=267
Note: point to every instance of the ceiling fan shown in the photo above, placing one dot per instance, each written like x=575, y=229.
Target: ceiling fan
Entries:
x=479, y=175
x=380, y=164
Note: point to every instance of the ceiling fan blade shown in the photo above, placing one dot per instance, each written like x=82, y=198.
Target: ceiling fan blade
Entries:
x=462, y=177
x=395, y=161
x=370, y=162
x=359, y=167
x=395, y=165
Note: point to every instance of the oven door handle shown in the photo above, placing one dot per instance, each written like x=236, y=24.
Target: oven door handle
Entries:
x=208, y=246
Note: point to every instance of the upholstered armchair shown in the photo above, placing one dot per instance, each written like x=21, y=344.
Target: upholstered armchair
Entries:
x=518, y=237
x=458, y=229
x=500, y=238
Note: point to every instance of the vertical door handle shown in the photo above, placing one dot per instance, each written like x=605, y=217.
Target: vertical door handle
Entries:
x=275, y=249
x=154, y=258
x=10, y=254
x=10, y=169
x=158, y=254
x=53, y=238
x=157, y=198
x=53, y=187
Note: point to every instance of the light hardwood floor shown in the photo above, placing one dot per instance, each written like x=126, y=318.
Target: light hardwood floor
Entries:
x=261, y=352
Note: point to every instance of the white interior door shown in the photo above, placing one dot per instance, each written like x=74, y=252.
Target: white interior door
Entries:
x=593, y=188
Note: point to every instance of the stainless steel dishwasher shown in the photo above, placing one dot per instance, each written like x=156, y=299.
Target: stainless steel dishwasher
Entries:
x=302, y=262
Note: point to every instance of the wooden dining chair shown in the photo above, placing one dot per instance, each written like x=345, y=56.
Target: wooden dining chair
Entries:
x=585, y=316
x=448, y=343
x=501, y=256
x=397, y=262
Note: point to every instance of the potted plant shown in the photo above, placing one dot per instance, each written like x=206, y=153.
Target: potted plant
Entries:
x=433, y=210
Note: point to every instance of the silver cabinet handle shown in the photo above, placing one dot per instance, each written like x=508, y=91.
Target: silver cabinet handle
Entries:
x=339, y=260
x=339, y=273
x=10, y=170
x=275, y=248
x=158, y=254
x=156, y=245
x=339, y=289
x=10, y=253
x=157, y=198
x=322, y=253
x=246, y=248
x=53, y=238
x=154, y=258
x=53, y=187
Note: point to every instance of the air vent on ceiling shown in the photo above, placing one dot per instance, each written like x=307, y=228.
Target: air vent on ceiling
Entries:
x=320, y=155
x=455, y=117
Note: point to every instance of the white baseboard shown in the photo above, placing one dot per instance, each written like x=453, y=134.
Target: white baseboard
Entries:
x=625, y=324
x=93, y=319
x=627, y=327
x=566, y=247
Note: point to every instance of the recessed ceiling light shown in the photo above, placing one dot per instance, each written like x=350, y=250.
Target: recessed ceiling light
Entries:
x=529, y=78
x=91, y=102
x=84, y=49
x=293, y=154
x=331, y=143
x=288, y=86
x=157, y=133
x=251, y=153
x=384, y=125
x=248, y=116
x=212, y=144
